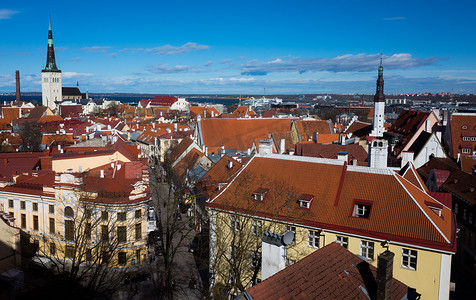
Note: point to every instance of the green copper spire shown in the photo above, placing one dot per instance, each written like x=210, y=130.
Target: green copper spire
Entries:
x=50, y=56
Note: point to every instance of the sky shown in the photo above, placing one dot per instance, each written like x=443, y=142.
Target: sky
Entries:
x=242, y=47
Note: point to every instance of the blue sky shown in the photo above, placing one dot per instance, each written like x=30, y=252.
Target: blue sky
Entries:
x=242, y=47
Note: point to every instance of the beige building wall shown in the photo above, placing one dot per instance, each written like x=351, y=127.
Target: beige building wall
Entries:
x=83, y=163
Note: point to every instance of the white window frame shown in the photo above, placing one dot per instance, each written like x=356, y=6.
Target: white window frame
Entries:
x=303, y=204
x=409, y=257
x=256, y=227
x=235, y=223
x=466, y=150
x=365, y=247
x=361, y=209
x=343, y=241
x=313, y=239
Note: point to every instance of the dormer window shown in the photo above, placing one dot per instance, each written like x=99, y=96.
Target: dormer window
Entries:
x=305, y=200
x=435, y=207
x=464, y=127
x=259, y=194
x=361, y=210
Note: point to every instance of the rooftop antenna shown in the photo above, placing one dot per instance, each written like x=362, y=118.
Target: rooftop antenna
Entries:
x=264, y=88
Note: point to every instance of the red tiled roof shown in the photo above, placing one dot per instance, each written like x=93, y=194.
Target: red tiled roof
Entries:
x=10, y=113
x=243, y=111
x=308, y=128
x=398, y=211
x=180, y=149
x=355, y=151
x=219, y=173
x=449, y=178
x=163, y=100
x=187, y=163
x=411, y=174
x=359, y=129
x=457, y=123
x=19, y=162
x=203, y=111
x=239, y=134
x=331, y=272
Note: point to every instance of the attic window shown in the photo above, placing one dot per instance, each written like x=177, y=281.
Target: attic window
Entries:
x=464, y=127
x=435, y=207
x=361, y=210
x=259, y=193
x=305, y=200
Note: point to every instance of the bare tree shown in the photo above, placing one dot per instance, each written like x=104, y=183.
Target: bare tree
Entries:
x=84, y=250
x=170, y=190
x=236, y=232
x=31, y=137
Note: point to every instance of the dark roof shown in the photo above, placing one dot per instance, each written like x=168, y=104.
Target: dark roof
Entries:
x=420, y=142
x=331, y=272
x=71, y=91
x=37, y=113
x=458, y=183
x=360, y=129
x=330, y=151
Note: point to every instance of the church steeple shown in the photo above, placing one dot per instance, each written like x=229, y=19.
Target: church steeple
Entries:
x=379, y=96
x=50, y=56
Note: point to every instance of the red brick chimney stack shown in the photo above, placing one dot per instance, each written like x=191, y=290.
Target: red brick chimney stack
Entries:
x=18, y=85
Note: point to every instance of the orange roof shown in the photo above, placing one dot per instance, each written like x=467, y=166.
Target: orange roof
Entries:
x=411, y=174
x=243, y=111
x=323, y=138
x=219, y=173
x=45, y=119
x=238, y=134
x=399, y=211
x=10, y=113
x=203, y=111
x=187, y=163
x=50, y=138
x=307, y=128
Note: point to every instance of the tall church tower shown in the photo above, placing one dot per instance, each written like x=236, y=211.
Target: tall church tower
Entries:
x=378, y=147
x=51, y=91
x=379, y=106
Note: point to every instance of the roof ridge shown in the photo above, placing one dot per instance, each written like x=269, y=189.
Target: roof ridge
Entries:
x=419, y=206
x=237, y=175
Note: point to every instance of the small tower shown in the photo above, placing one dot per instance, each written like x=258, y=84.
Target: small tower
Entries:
x=379, y=106
x=378, y=153
x=51, y=90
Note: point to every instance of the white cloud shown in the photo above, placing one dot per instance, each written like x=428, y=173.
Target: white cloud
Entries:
x=170, y=50
x=68, y=75
x=165, y=69
x=7, y=13
x=95, y=49
x=343, y=63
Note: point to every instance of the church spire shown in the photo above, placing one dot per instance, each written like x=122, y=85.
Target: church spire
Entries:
x=379, y=96
x=50, y=57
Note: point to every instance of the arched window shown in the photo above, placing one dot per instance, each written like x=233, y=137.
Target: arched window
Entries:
x=68, y=212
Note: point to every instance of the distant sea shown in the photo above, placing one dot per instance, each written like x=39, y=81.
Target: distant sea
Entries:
x=133, y=99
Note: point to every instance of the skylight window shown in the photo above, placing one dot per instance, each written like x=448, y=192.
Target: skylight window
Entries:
x=305, y=200
x=361, y=210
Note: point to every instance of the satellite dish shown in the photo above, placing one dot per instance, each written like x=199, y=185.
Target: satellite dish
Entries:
x=288, y=237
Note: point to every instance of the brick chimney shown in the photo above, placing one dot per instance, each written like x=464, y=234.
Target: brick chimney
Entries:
x=385, y=275
x=17, y=73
